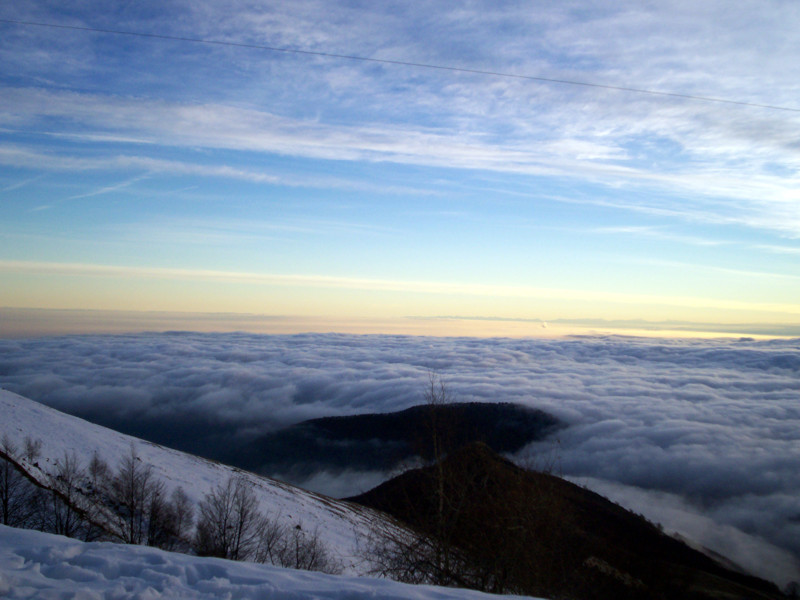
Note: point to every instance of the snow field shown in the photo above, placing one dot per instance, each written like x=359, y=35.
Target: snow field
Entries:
x=341, y=526
x=44, y=566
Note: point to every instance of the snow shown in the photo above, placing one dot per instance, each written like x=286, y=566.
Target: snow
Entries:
x=41, y=565
x=340, y=525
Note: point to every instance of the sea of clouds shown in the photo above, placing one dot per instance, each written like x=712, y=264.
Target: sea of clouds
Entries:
x=700, y=435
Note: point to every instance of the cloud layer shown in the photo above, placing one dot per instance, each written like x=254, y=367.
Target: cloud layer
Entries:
x=712, y=424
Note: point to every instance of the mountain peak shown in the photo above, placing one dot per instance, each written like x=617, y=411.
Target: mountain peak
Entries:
x=534, y=533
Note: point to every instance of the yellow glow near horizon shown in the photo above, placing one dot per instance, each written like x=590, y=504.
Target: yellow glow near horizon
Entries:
x=72, y=285
x=18, y=323
x=356, y=305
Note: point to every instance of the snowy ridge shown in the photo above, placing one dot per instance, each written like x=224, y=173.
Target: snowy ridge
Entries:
x=340, y=525
x=41, y=565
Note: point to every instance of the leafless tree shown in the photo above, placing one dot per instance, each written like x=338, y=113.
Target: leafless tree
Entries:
x=477, y=520
x=406, y=555
x=65, y=513
x=300, y=549
x=429, y=555
x=437, y=396
x=182, y=510
x=98, y=473
x=160, y=517
x=131, y=492
x=228, y=523
x=20, y=499
x=169, y=518
x=272, y=535
x=490, y=526
x=231, y=526
x=32, y=449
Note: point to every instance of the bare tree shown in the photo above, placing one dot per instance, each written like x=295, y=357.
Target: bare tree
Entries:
x=246, y=518
x=437, y=396
x=183, y=518
x=429, y=555
x=300, y=549
x=160, y=518
x=477, y=520
x=231, y=526
x=98, y=473
x=65, y=515
x=130, y=494
x=32, y=449
x=409, y=555
x=20, y=499
x=229, y=521
x=271, y=540
x=168, y=518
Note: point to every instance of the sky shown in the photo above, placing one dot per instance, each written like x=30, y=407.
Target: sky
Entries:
x=239, y=187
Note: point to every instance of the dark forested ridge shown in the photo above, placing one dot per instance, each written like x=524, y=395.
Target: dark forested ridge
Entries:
x=486, y=523
x=381, y=441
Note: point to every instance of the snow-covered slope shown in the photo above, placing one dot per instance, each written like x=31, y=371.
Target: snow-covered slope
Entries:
x=340, y=525
x=40, y=565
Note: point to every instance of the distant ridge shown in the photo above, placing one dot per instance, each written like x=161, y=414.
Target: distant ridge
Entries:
x=381, y=441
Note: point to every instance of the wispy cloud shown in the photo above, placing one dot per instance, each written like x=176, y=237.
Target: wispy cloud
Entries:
x=686, y=267
x=230, y=230
x=660, y=234
x=312, y=145
x=32, y=158
x=109, y=188
x=21, y=184
x=376, y=284
x=761, y=199
x=791, y=250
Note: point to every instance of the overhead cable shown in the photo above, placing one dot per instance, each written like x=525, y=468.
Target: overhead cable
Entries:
x=404, y=63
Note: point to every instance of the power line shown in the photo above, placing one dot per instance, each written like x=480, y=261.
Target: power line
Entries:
x=404, y=63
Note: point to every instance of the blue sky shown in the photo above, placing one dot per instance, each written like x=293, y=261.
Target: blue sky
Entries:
x=145, y=174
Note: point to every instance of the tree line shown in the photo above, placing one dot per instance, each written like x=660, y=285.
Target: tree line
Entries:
x=130, y=504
